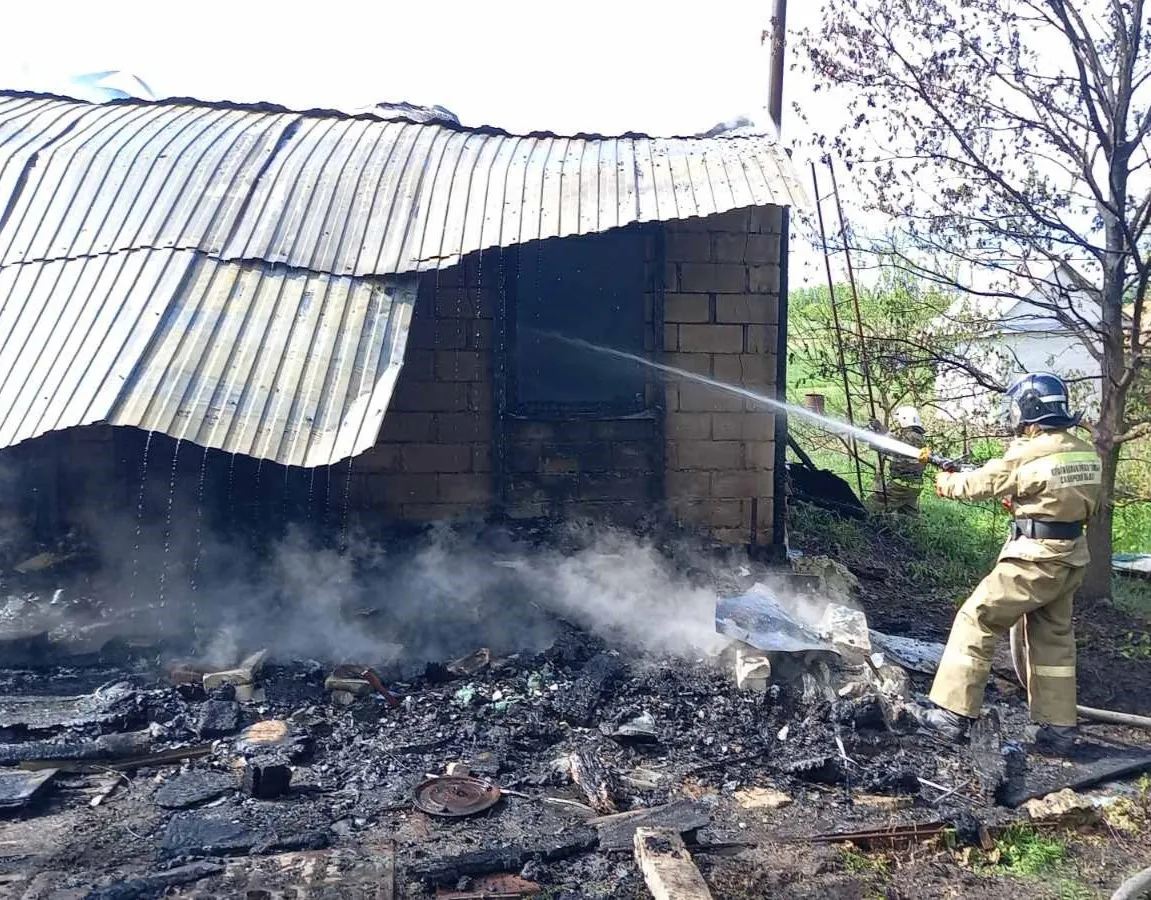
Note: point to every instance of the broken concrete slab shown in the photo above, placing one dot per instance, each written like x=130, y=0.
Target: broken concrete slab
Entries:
x=846, y=628
x=1065, y=808
x=18, y=788
x=219, y=718
x=117, y=704
x=192, y=788
x=472, y=664
x=833, y=578
x=157, y=883
x=357, y=687
x=244, y=674
x=752, y=668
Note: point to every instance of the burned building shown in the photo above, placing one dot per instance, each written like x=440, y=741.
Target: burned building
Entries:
x=359, y=314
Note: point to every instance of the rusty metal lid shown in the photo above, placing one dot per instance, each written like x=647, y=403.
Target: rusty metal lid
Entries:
x=455, y=795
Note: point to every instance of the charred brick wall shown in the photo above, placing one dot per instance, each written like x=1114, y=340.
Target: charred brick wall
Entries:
x=721, y=306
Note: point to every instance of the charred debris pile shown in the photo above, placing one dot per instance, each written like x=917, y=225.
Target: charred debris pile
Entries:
x=589, y=761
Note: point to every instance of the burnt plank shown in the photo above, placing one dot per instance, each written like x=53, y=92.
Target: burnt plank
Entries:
x=450, y=869
x=668, y=869
x=617, y=833
x=109, y=746
x=597, y=782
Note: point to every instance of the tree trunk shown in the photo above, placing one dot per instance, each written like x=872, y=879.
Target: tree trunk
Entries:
x=1097, y=584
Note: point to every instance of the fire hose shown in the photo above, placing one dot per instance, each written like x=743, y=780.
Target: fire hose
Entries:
x=1019, y=663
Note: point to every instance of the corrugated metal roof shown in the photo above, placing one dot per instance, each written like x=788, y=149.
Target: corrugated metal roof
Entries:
x=287, y=365
x=243, y=277
x=341, y=194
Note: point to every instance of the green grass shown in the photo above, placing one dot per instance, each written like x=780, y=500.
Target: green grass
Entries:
x=1025, y=852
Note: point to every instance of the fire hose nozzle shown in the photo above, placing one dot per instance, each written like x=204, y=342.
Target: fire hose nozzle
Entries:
x=940, y=462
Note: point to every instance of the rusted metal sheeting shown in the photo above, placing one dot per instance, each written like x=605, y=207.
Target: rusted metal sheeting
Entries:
x=287, y=365
x=351, y=196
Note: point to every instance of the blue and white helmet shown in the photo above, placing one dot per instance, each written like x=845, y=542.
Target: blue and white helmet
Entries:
x=1039, y=398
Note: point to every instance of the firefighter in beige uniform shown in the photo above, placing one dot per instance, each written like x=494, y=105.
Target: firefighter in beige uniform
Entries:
x=1050, y=479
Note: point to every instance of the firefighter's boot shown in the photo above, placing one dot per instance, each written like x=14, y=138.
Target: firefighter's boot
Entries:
x=942, y=722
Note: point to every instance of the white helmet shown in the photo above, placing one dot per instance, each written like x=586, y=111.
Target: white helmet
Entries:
x=908, y=417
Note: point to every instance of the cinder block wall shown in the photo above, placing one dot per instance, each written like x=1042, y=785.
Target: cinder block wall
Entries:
x=433, y=459
x=721, y=308
x=602, y=468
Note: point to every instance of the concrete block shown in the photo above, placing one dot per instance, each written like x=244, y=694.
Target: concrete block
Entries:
x=747, y=309
x=761, y=339
x=406, y=426
x=707, y=455
x=470, y=488
x=711, y=338
x=686, y=485
x=436, y=457
x=740, y=484
x=688, y=246
x=687, y=308
x=719, y=278
x=614, y=486
x=699, y=363
x=462, y=365
x=463, y=427
x=763, y=279
x=747, y=248
x=689, y=426
x=742, y=426
x=701, y=398
x=744, y=368
x=670, y=337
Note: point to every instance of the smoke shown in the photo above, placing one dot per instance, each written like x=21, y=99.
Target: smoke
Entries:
x=395, y=601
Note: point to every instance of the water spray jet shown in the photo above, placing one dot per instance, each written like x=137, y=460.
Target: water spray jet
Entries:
x=884, y=442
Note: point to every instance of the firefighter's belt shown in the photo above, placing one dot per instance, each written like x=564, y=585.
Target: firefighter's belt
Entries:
x=1046, y=531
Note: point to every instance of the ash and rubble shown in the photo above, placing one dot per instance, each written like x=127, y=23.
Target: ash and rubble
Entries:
x=581, y=672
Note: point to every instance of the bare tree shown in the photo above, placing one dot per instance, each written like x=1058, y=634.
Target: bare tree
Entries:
x=1006, y=137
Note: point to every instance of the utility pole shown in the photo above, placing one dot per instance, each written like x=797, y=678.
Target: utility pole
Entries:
x=778, y=38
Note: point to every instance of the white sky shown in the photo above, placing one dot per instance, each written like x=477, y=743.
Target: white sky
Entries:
x=606, y=66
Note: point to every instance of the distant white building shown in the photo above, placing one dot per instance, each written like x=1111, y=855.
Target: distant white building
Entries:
x=1005, y=337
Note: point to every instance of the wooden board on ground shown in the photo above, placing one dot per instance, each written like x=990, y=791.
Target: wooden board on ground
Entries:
x=680, y=816
x=668, y=869
x=1094, y=763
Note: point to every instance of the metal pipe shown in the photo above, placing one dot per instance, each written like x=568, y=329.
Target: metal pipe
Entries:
x=776, y=60
x=838, y=330
x=863, y=357
x=782, y=435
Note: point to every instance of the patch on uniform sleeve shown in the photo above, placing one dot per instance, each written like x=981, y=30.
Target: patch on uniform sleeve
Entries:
x=1067, y=470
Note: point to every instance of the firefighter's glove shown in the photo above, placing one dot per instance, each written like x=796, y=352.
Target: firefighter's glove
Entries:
x=942, y=480
x=1008, y=504
x=876, y=426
